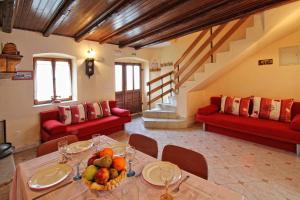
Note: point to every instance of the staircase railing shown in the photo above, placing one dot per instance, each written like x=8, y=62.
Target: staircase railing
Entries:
x=181, y=74
x=151, y=91
x=190, y=71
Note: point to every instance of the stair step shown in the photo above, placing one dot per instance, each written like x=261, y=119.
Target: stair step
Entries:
x=165, y=123
x=158, y=113
x=166, y=107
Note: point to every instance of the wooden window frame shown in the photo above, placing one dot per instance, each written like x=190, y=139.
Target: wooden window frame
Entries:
x=54, y=97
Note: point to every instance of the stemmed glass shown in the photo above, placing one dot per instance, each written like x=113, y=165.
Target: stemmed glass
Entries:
x=130, y=154
x=96, y=142
x=167, y=176
x=62, y=149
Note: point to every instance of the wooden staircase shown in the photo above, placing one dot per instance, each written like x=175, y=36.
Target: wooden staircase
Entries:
x=170, y=83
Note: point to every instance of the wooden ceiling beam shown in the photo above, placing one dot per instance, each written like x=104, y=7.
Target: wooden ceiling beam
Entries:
x=148, y=16
x=62, y=12
x=215, y=21
x=8, y=8
x=96, y=23
x=170, y=24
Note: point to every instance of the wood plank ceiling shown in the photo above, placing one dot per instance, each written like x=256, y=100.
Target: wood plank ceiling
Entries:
x=133, y=23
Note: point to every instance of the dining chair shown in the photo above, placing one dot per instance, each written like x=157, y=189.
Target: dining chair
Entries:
x=51, y=146
x=186, y=159
x=144, y=144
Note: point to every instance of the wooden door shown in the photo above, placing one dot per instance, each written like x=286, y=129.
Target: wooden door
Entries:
x=128, y=86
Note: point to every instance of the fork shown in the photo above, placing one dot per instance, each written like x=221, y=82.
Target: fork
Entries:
x=175, y=190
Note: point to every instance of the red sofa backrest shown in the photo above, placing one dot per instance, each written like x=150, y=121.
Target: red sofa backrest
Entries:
x=54, y=114
x=295, y=108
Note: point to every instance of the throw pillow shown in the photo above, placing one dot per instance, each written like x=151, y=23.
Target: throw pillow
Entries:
x=65, y=114
x=286, y=110
x=235, y=106
x=94, y=111
x=105, y=108
x=78, y=113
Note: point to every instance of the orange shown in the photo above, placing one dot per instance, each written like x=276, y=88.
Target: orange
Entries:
x=106, y=152
x=119, y=163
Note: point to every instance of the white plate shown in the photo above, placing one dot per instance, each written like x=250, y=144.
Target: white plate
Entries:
x=49, y=176
x=79, y=146
x=151, y=172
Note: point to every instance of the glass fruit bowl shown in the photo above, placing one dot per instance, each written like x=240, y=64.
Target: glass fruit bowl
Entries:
x=104, y=171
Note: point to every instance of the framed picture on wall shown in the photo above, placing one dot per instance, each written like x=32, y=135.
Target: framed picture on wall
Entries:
x=23, y=75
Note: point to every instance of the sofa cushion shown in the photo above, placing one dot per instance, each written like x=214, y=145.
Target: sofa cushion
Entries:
x=78, y=113
x=207, y=110
x=235, y=106
x=120, y=112
x=95, y=126
x=265, y=128
x=94, y=111
x=295, y=124
x=105, y=108
x=54, y=127
x=286, y=110
x=65, y=115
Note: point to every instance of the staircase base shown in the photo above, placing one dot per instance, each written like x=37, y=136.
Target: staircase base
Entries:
x=165, y=123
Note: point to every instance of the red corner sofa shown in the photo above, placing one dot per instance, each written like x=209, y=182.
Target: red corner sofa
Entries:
x=277, y=134
x=52, y=128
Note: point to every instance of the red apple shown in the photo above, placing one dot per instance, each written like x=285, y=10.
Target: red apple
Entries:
x=102, y=176
x=91, y=160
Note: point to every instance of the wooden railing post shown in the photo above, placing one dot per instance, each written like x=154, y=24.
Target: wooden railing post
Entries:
x=162, y=90
x=210, y=52
x=149, y=96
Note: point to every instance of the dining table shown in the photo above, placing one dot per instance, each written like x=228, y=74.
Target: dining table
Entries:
x=194, y=188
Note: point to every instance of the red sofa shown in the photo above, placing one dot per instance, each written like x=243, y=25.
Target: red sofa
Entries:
x=52, y=128
x=269, y=132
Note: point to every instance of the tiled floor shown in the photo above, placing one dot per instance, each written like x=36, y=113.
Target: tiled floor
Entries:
x=257, y=171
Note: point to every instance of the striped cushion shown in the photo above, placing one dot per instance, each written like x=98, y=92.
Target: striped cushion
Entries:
x=235, y=106
x=94, y=111
x=286, y=110
x=272, y=109
x=65, y=114
x=105, y=108
x=78, y=113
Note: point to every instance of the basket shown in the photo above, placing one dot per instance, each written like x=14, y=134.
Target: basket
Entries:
x=10, y=48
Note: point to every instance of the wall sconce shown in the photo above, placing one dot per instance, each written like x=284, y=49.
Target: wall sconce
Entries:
x=89, y=63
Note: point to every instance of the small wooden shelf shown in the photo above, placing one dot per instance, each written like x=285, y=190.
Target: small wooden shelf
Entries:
x=10, y=56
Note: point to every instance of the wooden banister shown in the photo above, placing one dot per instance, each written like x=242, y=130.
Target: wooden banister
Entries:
x=160, y=77
x=191, y=47
x=211, y=51
x=160, y=87
x=160, y=96
x=199, y=50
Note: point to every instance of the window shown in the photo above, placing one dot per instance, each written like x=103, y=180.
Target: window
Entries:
x=52, y=80
x=118, y=78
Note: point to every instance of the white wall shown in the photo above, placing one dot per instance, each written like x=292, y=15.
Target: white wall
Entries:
x=16, y=97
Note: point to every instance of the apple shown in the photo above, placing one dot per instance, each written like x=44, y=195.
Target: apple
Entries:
x=91, y=160
x=102, y=176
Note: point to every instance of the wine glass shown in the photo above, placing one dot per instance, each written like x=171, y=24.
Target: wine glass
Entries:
x=167, y=176
x=62, y=149
x=96, y=141
x=130, y=154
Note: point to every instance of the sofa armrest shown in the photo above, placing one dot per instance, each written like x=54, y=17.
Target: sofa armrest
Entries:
x=49, y=115
x=207, y=110
x=112, y=104
x=54, y=127
x=295, y=124
x=120, y=112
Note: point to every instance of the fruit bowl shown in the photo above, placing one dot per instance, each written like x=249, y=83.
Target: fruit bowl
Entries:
x=104, y=171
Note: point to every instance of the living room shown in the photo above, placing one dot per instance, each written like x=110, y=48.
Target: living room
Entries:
x=73, y=68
